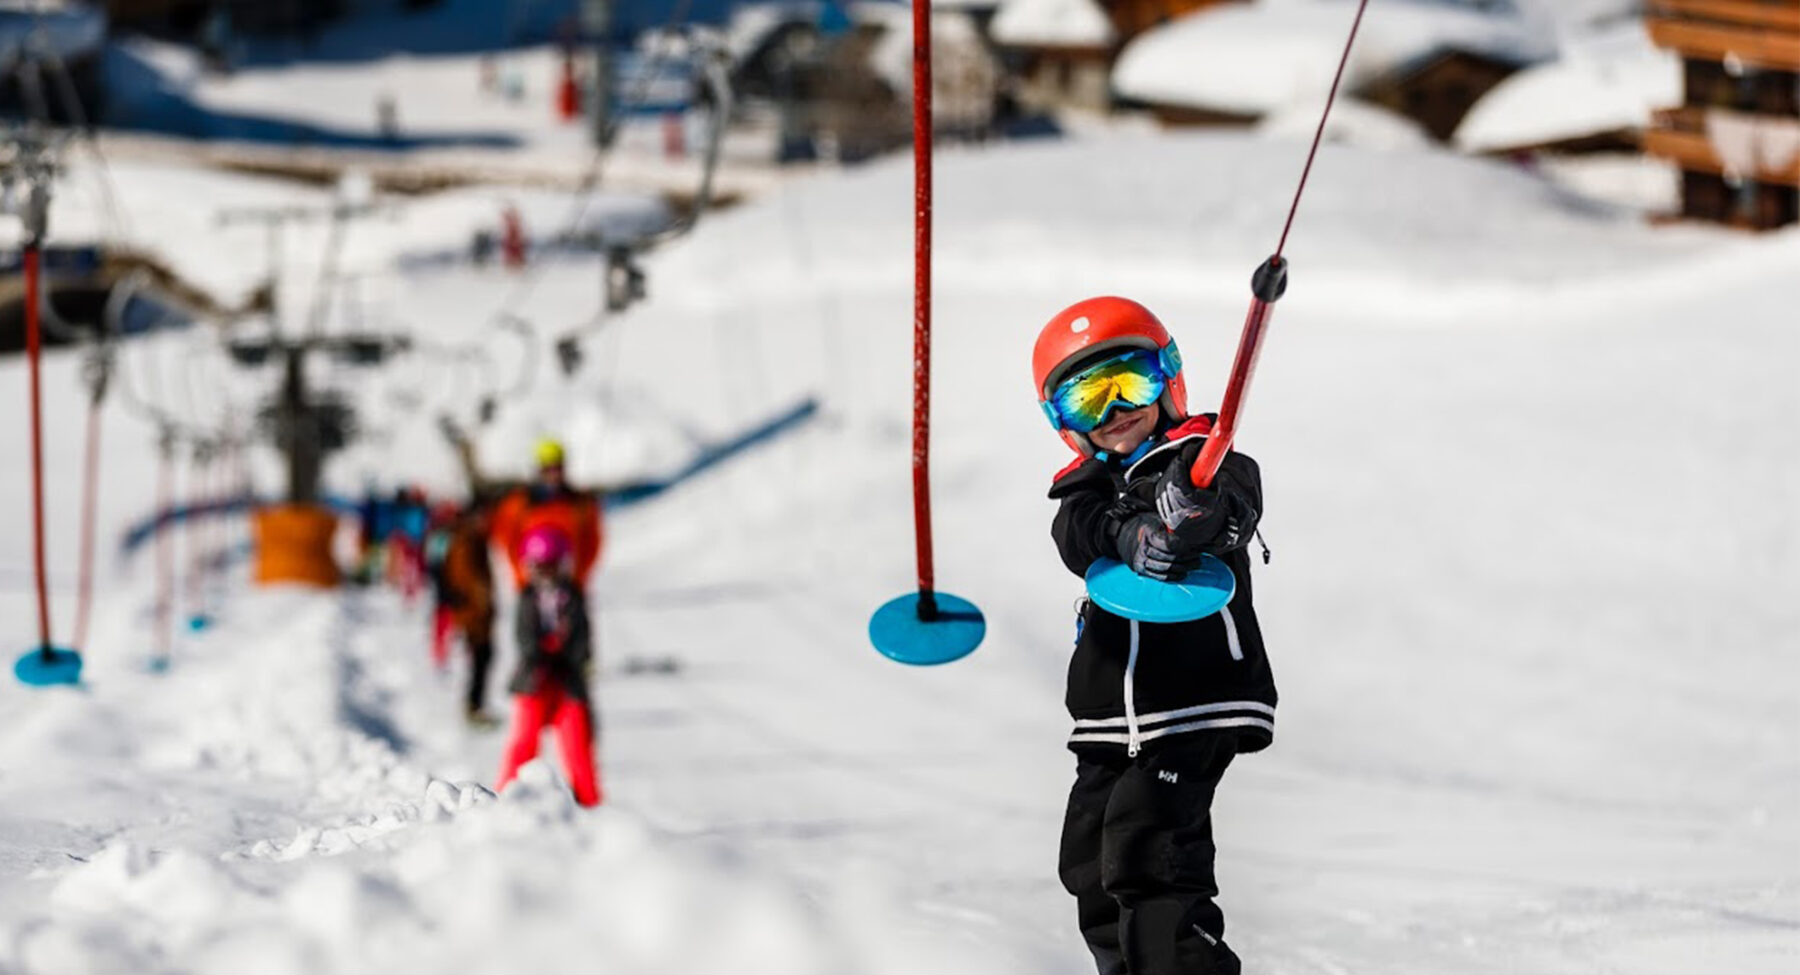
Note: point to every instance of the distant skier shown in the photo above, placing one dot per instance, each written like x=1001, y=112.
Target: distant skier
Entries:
x=512, y=238
x=549, y=500
x=406, y=542
x=444, y=515
x=1160, y=709
x=550, y=686
x=462, y=583
x=374, y=518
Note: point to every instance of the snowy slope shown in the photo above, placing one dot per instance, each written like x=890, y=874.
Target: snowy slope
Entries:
x=1530, y=475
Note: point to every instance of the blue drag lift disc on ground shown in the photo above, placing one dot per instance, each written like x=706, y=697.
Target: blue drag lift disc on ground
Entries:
x=899, y=634
x=60, y=666
x=1115, y=588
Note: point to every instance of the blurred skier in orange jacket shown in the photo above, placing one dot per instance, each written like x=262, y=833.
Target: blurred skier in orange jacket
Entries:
x=549, y=501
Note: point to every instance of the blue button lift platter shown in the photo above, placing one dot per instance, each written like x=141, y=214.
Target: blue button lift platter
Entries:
x=1115, y=588
x=902, y=633
x=49, y=667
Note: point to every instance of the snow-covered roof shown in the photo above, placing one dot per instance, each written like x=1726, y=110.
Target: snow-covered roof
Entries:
x=1600, y=84
x=1052, y=23
x=752, y=23
x=1576, y=15
x=1253, y=59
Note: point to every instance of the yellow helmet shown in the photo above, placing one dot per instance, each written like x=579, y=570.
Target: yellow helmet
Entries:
x=548, y=452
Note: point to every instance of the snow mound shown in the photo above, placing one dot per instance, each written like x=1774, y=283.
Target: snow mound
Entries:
x=369, y=863
x=1352, y=123
x=491, y=890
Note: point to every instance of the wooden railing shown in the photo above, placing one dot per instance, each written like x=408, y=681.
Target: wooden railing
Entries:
x=1680, y=135
x=1761, y=48
x=1778, y=15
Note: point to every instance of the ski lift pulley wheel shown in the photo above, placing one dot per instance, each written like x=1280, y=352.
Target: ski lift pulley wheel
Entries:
x=1115, y=588
x=49, y=667
x=949, y=629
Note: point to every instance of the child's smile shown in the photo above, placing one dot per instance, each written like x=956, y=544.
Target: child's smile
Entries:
x=1127, y=429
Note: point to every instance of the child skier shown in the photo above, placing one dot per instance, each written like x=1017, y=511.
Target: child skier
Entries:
x=1160, y=709
x=555, y=651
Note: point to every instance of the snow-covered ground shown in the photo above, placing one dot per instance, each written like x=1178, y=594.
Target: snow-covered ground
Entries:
x=1531, y=477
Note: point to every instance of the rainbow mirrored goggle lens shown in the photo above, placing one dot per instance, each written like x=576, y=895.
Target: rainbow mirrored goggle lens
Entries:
x=1084, y=401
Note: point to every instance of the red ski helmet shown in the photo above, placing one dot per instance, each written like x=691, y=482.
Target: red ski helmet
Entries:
x=1085, y=329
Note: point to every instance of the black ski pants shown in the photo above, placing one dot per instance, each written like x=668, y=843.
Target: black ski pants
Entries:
x=481, y=657
x=1137, y=853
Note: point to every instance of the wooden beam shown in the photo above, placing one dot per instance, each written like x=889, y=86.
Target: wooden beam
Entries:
x=1712, y=42
x=1770, y=16
x=1683, y=119
x=1693, y=151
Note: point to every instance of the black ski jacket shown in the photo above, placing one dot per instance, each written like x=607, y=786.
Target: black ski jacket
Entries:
x=1134, y=683
x=555, y=639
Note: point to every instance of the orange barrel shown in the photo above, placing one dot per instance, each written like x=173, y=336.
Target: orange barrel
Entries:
x=293, y=544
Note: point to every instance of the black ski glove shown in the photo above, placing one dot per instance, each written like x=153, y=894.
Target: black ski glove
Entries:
x=1152, y=550
x=1214, y=520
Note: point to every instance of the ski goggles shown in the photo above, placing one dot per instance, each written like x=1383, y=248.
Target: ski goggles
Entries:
x=1131, y=380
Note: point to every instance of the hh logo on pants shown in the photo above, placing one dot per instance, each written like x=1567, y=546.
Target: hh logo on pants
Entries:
x=1167, y=776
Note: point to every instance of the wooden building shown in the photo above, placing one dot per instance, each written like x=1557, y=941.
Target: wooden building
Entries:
x=1133, y=17
x=846, y=95
x=1061, y=52
x=1438, y=88
x=1736, y=135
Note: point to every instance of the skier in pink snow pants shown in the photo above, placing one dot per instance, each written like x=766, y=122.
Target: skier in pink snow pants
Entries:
x=555, y=654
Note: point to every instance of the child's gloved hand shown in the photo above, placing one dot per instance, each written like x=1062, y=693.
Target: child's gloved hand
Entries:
x=1154, y=551
x=1216, y=520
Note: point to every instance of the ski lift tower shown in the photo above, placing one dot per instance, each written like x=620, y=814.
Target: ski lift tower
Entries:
x=596, y=28
x=305, y=424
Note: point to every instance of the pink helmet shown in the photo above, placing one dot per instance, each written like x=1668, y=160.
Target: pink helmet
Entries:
x=544, y=545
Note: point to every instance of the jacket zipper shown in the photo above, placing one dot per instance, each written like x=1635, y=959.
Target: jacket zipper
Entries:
x=1132, y=743
x=1231, y=634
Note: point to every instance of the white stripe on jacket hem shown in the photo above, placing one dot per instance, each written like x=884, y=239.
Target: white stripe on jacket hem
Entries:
x=1119, y=738
x=1159, y=717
